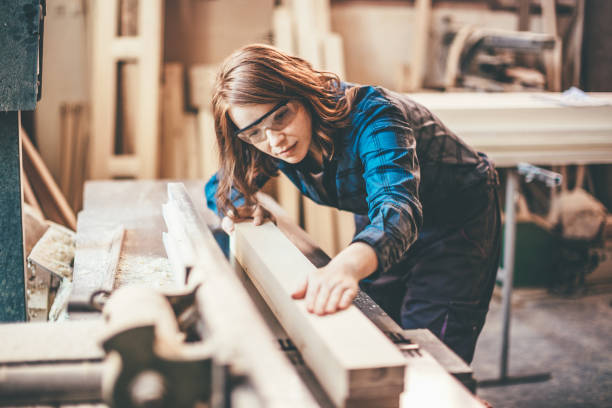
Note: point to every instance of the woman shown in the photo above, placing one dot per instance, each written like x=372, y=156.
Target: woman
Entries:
x=427, y=242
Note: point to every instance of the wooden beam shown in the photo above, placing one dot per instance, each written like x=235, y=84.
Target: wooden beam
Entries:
x=98, y=248
x=201, y=81
x=351, y=358
x=422, y=22
x=52, y=201
x=229, y=313
x=178, y=129
x=552, y=57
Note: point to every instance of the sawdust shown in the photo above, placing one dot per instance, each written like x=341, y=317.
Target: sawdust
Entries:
x=145, y=271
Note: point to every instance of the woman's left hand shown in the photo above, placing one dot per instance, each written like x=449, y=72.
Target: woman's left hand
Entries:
x=334, y=286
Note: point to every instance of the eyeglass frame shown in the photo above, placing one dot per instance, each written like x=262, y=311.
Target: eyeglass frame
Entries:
x=276, y=107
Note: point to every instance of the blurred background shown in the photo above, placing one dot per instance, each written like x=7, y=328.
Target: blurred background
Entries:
x=126, y=95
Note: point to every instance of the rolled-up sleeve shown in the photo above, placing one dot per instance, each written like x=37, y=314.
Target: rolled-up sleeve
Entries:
x=387, y=150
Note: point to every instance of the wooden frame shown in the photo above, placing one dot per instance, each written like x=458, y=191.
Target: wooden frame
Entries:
x=353, y=361
x=107, y=50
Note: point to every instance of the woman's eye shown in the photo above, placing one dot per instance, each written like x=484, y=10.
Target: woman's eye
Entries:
x=253, y=133
x=280, y=115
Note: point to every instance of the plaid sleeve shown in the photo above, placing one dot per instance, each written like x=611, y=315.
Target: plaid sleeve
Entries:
x=210, y=190
x=387, y=150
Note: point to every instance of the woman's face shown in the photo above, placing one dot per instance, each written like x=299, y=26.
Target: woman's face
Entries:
x=282, y=130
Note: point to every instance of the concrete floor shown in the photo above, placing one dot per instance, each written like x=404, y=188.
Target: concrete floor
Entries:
x=569, y=337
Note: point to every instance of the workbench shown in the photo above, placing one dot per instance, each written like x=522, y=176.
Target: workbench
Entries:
x=544, y=128
x=434, y=374
x=538, y=128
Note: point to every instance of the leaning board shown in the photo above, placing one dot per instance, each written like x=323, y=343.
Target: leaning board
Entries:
x=351, y=358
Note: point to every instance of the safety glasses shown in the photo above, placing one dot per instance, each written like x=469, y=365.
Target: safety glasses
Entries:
x=276, y=119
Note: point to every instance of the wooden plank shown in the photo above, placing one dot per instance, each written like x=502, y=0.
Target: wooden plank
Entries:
x=150, y=25
x=577, y=44
x=289, y=197
x=53, y=203
x=97, y=253
x=223, y=302
x=193, y=150
x=78, y=174
x=173, y=147
x=201, y=82
x=28, y=194
x=66, y=146
x=304, y=13
x=48, y=343
x=419, y=42
x=552, y=58
x=127, y=107
x=209, y=151
x=319, y=222
x=34, y=226
x=282, y=28
x=103, y=23
x=333, y=346
x=333, y=54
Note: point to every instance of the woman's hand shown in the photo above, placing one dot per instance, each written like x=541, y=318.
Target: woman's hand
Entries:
x=334, y=286
x=257, y=213
x=328, y=290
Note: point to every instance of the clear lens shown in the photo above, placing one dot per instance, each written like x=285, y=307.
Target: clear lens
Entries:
x=277, y=121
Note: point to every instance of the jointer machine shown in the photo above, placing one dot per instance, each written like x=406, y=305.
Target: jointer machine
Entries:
x=137, y=330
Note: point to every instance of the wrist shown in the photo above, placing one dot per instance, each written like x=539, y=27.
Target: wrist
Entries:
x=358, y=259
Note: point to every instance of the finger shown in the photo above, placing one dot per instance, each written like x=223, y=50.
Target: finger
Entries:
x=347, y=298
x=258, y=215
x=311, y=295
x=334, y=299
x=227, y=224
x=300, y=292
x=321, y=300
x=267, y=215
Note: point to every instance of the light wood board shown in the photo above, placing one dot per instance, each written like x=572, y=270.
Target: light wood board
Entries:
x=351, y=358
x=237, y=329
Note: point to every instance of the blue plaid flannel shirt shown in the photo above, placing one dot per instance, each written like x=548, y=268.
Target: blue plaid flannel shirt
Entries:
x=383, y=163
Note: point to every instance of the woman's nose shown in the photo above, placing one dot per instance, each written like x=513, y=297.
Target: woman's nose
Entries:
x=274, y=138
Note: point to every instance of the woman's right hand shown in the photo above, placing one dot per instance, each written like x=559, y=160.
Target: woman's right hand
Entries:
x=257, y=213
